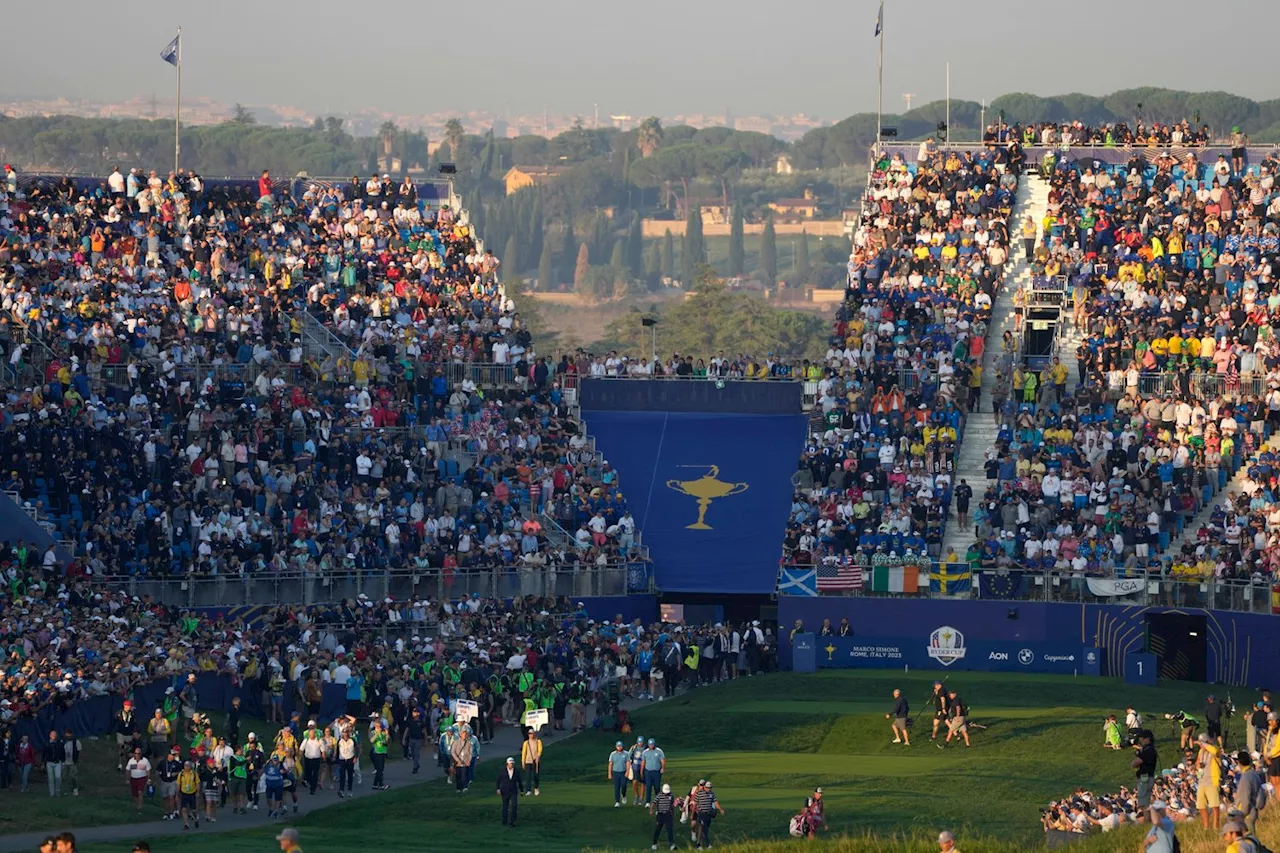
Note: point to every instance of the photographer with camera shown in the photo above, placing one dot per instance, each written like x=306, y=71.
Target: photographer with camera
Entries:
x=1189, y=725
x=1144, y=766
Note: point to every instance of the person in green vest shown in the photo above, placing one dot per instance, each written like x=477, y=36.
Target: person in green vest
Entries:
x=378, y=754
x=692, y=658
x=428, y=669
x=1029, y=387
x=452, y=675
x=237, y=773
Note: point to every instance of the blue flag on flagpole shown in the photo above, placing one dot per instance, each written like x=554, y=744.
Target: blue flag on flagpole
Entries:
x=170, y=53
x=880, y=19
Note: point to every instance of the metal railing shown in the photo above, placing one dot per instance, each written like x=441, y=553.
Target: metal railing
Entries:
x=398, y=585
x=1155, y=590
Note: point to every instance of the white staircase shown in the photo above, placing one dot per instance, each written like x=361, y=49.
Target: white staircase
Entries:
x=980, y=426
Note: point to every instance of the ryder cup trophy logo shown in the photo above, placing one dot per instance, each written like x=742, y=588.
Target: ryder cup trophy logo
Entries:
x=705, y=489
x=946, y=645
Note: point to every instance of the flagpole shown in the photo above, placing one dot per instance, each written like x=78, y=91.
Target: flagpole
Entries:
x=177, y=115
x=948, y=105
x=880, y=80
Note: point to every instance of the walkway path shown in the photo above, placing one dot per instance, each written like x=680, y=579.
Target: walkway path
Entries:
x=398, y=773
x=980, y=428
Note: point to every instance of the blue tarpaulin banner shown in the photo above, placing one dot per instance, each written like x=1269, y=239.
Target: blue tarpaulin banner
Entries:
x=1008, y=584
x=948, y=648
x=710, y=493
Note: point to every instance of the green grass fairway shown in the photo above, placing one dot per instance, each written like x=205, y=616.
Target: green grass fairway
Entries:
x=766, y=743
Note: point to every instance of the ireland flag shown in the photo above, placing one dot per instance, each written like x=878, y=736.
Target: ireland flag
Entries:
x=895, y=579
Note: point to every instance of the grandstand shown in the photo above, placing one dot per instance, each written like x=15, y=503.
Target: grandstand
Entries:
x=337, y=398
x=1130, y=379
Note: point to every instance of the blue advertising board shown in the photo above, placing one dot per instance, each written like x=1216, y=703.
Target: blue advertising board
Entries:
x=947, y=648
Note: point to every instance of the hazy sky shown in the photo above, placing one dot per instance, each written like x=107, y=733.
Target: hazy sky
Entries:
x=660, y=56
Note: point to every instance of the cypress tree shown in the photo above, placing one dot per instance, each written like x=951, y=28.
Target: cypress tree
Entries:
x=769, y=253
x=737, y=249
x=581, y=268
x=668, y=255
x=803, y=267
x=544, y=268
x=635, y=246
x=653, y=261
x=511, y=257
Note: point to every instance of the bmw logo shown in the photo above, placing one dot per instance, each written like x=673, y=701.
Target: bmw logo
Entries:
x=719, y=384
x=1026, y=656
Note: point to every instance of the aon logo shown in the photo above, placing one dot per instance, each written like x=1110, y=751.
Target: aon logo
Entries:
x=998, y=656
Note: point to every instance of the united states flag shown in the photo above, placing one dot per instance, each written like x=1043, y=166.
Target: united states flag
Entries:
x=835, y=575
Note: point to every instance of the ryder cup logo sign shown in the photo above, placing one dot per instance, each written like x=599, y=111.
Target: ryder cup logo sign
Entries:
x=946, y=645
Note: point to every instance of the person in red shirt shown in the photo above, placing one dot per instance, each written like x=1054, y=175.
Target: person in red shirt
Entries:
x=264, y=185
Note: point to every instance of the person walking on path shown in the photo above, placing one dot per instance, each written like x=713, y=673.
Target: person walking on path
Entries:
x=615, y=770
x=462, y=752
x=901, y=711
x=510, y=786
x=415, y=734
x=663, y=810
x=188, y=788
x=347, y=752
x=138, y=770
x=531, y=761
x=71, y=762
x=705, y=808
x=655, y=764
x=26, y=759
x=53, y=756
x=378, y=755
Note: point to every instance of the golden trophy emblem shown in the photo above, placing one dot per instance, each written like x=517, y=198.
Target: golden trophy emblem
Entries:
x=705, y=489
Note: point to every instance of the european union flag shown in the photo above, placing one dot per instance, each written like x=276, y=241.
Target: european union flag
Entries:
x=1006, y=585
x=951, y=579
x=172, y=52
x=880, y=19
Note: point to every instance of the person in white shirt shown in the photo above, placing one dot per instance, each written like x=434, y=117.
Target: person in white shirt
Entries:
x=138, y=771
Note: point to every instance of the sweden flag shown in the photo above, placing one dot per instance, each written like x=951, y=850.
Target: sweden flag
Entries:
x=951, y=579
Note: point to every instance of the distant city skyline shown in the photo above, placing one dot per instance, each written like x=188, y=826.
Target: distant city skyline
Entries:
x=660, y=58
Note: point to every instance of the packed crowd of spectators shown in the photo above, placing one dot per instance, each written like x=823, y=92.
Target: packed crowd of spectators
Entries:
x=66, y=640
x=178, y=424
x=905, y=358
x=1054, y=134
x=1170, y=281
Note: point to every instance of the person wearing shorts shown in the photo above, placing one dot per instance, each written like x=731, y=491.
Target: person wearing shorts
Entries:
x=273, y=777
x=188, y=786
x=138, y=770
x=170, y=769
x=957, y=724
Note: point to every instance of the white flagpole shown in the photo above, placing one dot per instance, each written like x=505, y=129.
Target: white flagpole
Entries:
x=948, y=105
x=177, y=115
x=880, y=79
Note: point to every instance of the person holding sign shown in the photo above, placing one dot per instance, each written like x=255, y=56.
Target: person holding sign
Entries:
x=531, y=761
